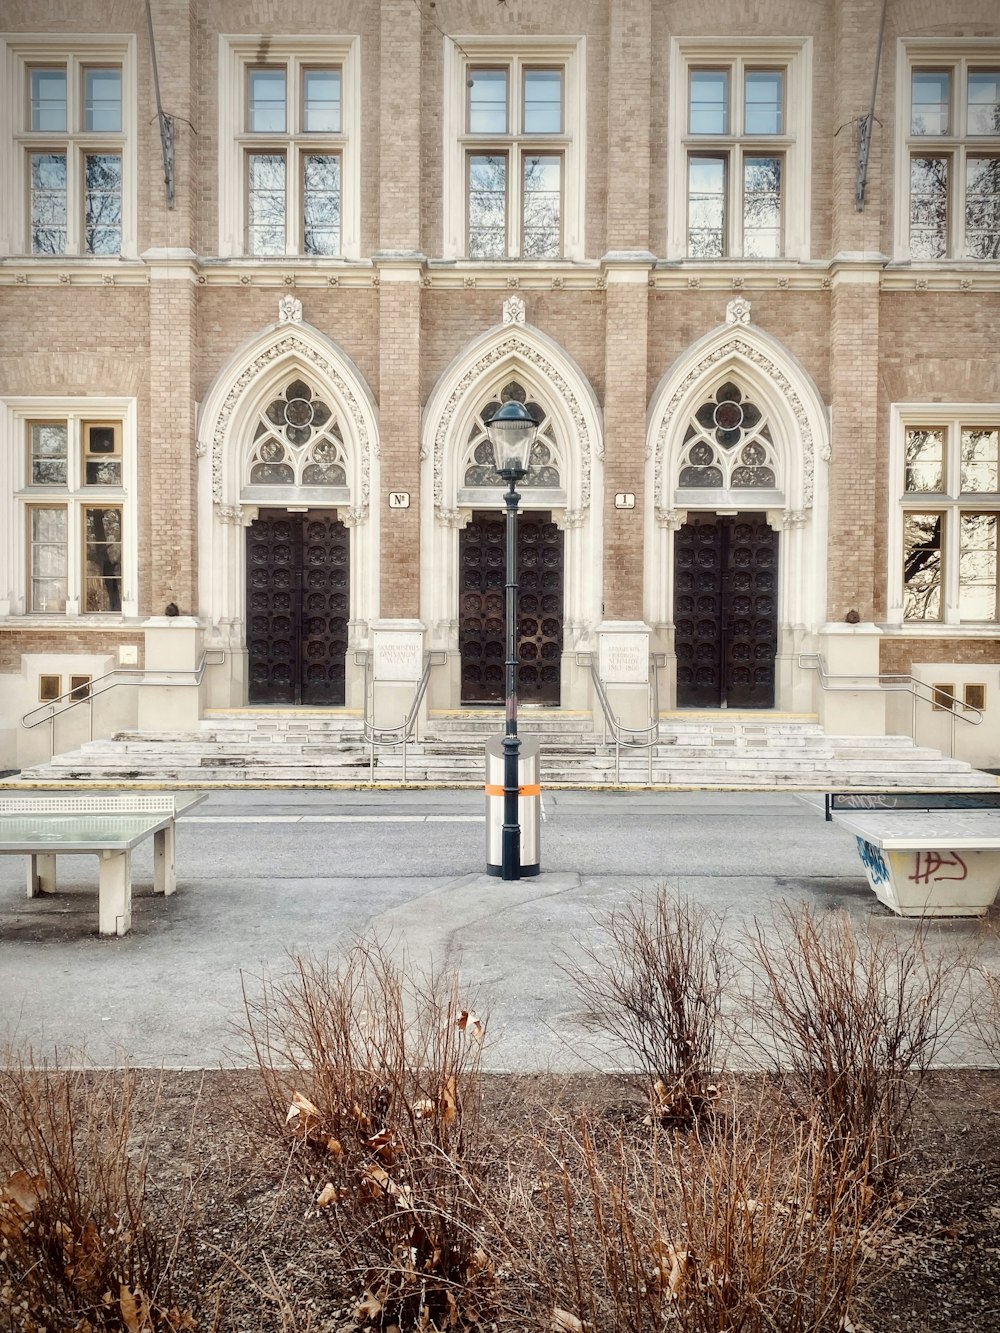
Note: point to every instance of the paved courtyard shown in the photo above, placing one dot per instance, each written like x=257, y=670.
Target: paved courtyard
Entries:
x=263, y=875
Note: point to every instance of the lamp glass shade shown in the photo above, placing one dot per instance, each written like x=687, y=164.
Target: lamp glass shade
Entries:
x=512, y=433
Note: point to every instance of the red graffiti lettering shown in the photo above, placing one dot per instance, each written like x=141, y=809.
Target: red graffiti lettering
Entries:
x=928, y=865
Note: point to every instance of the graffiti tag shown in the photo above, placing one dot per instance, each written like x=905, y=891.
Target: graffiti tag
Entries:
x=927, y=867
x=873, y=861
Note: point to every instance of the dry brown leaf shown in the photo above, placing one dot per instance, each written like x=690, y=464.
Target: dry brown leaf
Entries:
x=479, y=1266
x=302, y=1114
x=449, y=1101
x=361, y=1120
x=368, y=1310
x=334, y=1147
x=326, y=1196
x=472, y=1024
x=673, y=1267
x=134, y=1310
x=25, y=1191
x=564, y=1322
x=384, y=1144
x=423, y=1109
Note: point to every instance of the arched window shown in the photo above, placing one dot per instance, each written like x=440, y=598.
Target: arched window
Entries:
x=728, y=445
x=545, y=467
x=297, y=442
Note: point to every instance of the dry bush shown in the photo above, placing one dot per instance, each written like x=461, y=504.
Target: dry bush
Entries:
x=82, y=1245
x=655, y=983
x=736, y=1229
x=851, y=1023
x=371, y=1079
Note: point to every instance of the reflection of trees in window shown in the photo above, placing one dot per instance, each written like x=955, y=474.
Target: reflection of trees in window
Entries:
x=728, y=443
x=298, y=441
x=977, y=567
x=544, y=467
x=103, y=204
x=48, y=203
x=922, y=567
x=103, y=559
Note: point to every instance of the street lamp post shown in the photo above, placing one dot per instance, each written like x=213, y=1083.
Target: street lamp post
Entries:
x=511, y=433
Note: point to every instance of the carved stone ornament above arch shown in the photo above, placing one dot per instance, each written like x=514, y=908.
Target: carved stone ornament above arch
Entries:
x=295, y=346
x=729, y=348
x=554, y=375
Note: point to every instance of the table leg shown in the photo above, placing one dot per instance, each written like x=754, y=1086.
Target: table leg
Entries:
x=115, y=906
x=41, y=874
x=164, y=863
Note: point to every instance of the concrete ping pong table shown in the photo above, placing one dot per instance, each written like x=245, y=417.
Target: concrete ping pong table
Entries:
x=109, y=826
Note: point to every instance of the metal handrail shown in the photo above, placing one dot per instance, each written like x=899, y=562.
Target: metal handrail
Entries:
x=646, y=737
x=86, y=694
x=389, y=738
x=900, y=681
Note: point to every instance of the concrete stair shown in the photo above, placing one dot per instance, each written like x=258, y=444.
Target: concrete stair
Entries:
x=695, y=750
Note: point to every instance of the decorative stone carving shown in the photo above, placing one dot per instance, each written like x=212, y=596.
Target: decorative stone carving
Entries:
x=200, y=448
x=334, y=279
x=294, y=345
x=202, y=279
x=108, y=279
x=738, y=284
x=513, y=280
x=244, y=279
x=558, y=283
x=738, y=311
x=965, y=284
x=737, y=346
x=602, y=281
x=289, y=280
x=470, y=280
x=289, y=310
x=21, y=279
x=64, y=278
x=515, y=345
x=783, y=284
x=230, y=514
x=694, y=283
x=513, y=310
x=671, y=519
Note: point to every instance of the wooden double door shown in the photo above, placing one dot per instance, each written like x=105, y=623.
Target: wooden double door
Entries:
x=726, y=611
x=298, y=605
x=482, y=578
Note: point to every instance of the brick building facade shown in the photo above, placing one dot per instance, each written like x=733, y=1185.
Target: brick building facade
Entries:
x=243, y=381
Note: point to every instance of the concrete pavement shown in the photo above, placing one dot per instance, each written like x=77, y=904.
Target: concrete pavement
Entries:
x=263, y=875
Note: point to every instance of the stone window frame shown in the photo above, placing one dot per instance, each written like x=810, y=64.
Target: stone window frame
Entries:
x=793, y=56
x=77, y=51
x=76, y=495
x=938, y=53
x=238, y=54
x=514, y=53
x=950, y=504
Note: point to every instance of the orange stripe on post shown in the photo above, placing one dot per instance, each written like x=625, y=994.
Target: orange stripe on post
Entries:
x=533, y=789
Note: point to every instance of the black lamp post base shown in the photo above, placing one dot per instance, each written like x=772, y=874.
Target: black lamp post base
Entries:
x=525, y=872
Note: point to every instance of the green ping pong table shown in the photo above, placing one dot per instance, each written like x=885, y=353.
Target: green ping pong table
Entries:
x=45, y=826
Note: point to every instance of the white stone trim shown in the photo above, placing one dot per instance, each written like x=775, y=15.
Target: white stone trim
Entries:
x=236, y=54
x=17, y=51
x=794, y=56
x=255, y=372
x=459, y=54
x=14, y=413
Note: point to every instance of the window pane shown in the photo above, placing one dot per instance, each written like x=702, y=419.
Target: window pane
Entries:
x=321, y=110
x=764, y=111
x=321, y=204
x=48, y=560
x=487, y=206
x=924, y=469
x=928, y=207
x=982, y=208
x=922, y=567
x=102, y=100
x=977, y=567
x=930, y=101
x=267, y=101
x=984, y=101
x=709, y=102
x=542, y=207
x=266, y=203
x=48, y=100
x=543, y=101
x=762, y=207
x=487, y=101
x=103, y=204
x=48, y=203
x=706, y=207
x=103, y=559
x=980, y=457
x=48, y=455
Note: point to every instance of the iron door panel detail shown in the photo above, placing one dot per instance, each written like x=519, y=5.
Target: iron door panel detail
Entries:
x=725, y=611
x=482, y=563
x=298, y=604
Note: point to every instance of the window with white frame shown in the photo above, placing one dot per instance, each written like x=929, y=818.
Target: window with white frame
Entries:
x=947, y=465
x=70, y=471
x=950, y=120
x=288, y=140
x=514, y=148
x=740, y=122
x=70, y=103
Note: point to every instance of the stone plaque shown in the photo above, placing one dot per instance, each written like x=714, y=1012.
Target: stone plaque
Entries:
x=624, y=659
x=398, y=656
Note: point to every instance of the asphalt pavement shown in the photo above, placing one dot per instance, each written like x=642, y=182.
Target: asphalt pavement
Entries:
x=265, y=875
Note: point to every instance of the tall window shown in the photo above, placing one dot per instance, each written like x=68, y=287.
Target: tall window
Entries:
x=75, y=162
x=514, y=126
x=297, y=442
x=952, y=157
x=950, y=501
x=727, y=446
x=287, y=139
x=72, y=497
x=739, y=171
